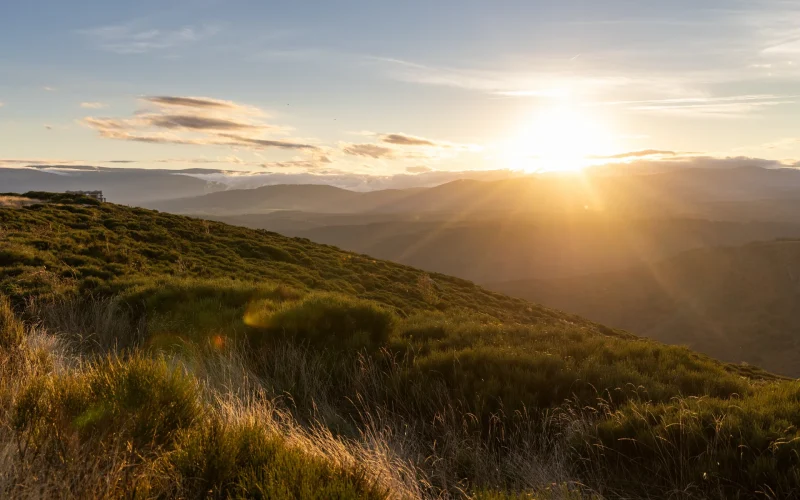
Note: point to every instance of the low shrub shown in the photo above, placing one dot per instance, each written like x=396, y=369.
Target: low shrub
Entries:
x=14, y=254
x=543, y=366
x=330, y=320
x=713, y=447
x=139, y=400
x=190, y=310
x=220, y=460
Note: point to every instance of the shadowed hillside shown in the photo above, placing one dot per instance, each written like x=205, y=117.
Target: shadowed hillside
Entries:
x=494, y=248
x=737, y=304
x=200, y=359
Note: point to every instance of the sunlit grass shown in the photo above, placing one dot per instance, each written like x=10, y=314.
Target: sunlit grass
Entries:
x=141, y=354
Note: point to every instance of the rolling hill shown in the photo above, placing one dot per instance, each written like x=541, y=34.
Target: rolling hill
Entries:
x=496, y=248
x=198, y=358
x=694, y=193
x=735, y=303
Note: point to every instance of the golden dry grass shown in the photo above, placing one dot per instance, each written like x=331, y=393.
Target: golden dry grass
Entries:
x=17, y=201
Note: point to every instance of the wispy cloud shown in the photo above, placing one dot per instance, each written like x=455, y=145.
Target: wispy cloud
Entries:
x=292, y=164
x=407, y=140
x=545, y=83
x=415, y=141
x=94, y=105
x=635, y=154
x=134, y=39
x=496, y=82
x=720, y=106
x=38, y=162
x=402, y=146
x=263, y=143
x=724, y=110
x=644, y=165
x=191, y=102
x=196, y=121
x=369, y=150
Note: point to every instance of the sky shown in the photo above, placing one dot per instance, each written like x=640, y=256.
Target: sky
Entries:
x=399, y=88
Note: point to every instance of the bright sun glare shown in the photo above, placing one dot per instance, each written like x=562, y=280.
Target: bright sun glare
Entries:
x=559, y=140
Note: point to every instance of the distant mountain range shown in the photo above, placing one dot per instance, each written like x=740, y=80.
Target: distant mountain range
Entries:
x=725, y=194
x=539, y=227
x=124, y=185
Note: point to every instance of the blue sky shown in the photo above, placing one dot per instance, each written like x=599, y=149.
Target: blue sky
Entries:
x=390, y=87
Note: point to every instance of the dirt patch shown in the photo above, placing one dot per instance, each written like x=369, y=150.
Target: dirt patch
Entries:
x=17, y=201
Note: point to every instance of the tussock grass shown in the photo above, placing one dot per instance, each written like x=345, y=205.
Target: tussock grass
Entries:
x=334, y=321
x=151, y=355
x=101, y=325
x=706, y=445
x=12, y=333
x=112, y=427
x=296, y=418
x=8, y=201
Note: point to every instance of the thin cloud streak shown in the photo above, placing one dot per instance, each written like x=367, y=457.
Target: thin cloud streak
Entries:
x=201, y=123
x=635, y=154
x=703, y=106
x=193, y=102
x=369, y=150
x=128, y=39
x=407, y=140
x=723, y=110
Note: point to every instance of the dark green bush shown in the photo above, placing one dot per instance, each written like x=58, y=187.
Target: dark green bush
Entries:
x=332, y=320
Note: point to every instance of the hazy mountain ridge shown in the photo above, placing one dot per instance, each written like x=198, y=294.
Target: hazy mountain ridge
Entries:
x=681, y=192
x=127, y=186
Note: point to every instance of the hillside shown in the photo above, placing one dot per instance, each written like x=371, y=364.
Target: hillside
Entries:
x=496, y=248
x=54, y=248
x=736, y=304
x=294, y=197
x=205, y=360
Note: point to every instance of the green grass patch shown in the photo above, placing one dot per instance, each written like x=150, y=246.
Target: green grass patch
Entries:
x=139, y=399
x=328, y=320
x=244, y=461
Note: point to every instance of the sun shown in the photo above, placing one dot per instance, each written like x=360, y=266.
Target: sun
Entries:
x=559, y=139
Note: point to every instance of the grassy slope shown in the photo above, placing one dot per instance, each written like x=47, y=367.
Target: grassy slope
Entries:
x=470, y=375
x=738, y=304
x=61, y=248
